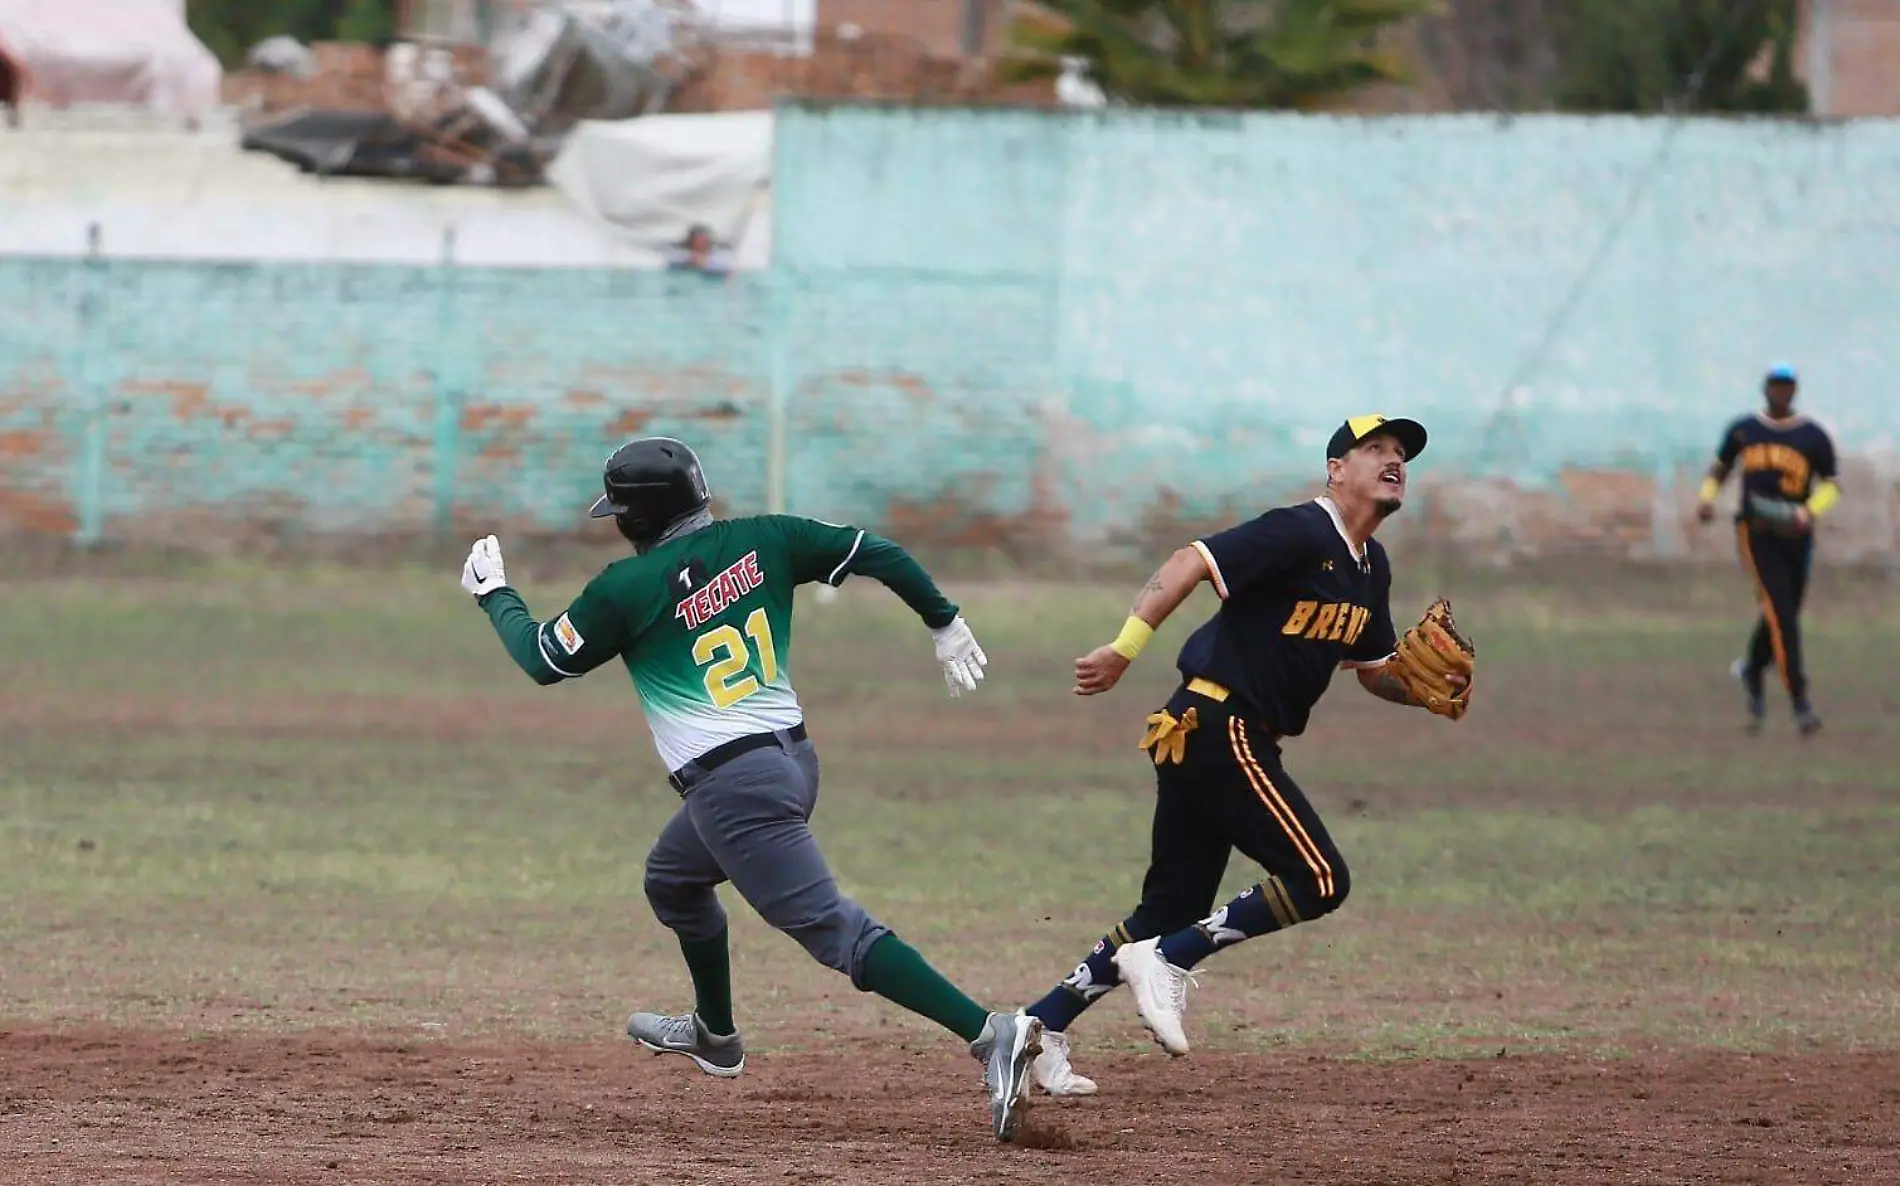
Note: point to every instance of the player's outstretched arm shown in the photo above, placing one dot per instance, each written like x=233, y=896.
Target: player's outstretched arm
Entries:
x=485, y=579
x=1102, y=668
x=830, y=552
x=548, y=652
x=889, y=564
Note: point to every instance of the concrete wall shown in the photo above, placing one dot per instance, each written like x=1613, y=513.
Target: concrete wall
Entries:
x=1033, y=331
x=1167, y=313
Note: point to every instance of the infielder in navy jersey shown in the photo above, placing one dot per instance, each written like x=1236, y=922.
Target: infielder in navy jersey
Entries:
x=1305, y=590
x=1789, y=479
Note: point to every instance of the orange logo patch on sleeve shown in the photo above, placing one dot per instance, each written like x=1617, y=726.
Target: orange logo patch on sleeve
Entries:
x=569, y=638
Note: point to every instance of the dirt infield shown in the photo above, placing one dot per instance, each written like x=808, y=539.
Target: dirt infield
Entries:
x=123, y=1106
x=300, y=884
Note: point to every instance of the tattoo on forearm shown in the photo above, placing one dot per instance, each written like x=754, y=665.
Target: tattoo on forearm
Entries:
x=1382, y=685
x=1153, y=586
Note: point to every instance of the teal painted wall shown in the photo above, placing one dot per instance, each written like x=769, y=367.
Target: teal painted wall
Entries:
x=1197, y=299
x=994, y=325
x=139, y=396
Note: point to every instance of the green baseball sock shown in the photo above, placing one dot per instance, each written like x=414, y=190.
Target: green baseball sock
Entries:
x=894, y=971
x=711, y=967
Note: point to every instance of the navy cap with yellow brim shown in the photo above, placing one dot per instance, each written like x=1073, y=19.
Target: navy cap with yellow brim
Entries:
x=1354, y=432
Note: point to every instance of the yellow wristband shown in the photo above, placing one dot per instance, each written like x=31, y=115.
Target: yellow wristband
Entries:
x=1134, y=636
x=1825, y=497
x=1710, y=489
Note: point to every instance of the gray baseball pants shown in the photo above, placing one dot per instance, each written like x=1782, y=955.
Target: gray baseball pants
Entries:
x=749, y=821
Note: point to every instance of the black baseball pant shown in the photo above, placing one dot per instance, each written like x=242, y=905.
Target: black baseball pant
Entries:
x=1227, y=791
x=1230, y=791
x=1779, y=565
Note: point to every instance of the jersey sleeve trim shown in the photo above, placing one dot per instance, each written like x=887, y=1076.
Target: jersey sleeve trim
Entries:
x=838, y=574
x=1367, y=664
x=1213, y=568
x=547, y=655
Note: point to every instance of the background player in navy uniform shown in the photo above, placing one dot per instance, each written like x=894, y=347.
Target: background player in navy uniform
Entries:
x=1304, y=591
x=1788, y=480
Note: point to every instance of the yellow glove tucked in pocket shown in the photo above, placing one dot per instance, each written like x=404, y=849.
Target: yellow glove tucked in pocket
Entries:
x=1166, y=738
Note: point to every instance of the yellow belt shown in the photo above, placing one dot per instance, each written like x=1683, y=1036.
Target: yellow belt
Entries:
x=1207, y=688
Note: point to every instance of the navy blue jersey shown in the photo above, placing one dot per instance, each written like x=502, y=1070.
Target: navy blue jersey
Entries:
x=1296, y=604
x=1779, y=459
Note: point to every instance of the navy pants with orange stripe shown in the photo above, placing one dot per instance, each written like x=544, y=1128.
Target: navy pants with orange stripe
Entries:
x=1228, y=792
x=1779, y=565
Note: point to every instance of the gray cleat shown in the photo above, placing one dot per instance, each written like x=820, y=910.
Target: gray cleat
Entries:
x=1007, y=1047
x=1805, y=718
x=688, y=1035
x=1757, y=707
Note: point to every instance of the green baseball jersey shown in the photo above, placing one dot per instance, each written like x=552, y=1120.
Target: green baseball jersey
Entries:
x=703, y=623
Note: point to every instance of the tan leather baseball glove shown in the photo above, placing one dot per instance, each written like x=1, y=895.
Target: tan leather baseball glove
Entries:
x=1429, y=653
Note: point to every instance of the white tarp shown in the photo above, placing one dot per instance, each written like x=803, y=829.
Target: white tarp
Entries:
x=109, y=51
x=654, y=178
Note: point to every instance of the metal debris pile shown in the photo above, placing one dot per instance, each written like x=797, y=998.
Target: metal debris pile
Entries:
x=489, y=115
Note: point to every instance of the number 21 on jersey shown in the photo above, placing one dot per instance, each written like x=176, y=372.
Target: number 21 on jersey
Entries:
x=729, y=679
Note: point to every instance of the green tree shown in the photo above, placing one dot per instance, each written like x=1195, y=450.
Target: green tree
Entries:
x=1214, y=53
x=229, y=28
x=373, y=21
x=1643, y=55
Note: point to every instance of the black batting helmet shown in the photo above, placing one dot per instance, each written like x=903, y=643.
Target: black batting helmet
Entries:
x=651, y=484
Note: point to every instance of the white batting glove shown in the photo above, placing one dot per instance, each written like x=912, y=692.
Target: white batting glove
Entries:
x=962, y=659
x=482, y=572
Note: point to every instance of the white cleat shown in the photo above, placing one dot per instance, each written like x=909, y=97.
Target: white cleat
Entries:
x=1052, y=1071
x=1160, y=991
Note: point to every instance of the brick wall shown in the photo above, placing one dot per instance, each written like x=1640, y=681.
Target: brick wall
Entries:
x=1033, y=331
x=349, y=76
x=935, y=25
x=873, y=64
x=1850, y=55
x=867, y=66
x=199, y=403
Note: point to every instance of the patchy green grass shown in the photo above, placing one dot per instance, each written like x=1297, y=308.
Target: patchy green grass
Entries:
x=246, y=798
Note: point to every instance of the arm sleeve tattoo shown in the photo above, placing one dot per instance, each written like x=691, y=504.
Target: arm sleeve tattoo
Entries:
x=1381, y=683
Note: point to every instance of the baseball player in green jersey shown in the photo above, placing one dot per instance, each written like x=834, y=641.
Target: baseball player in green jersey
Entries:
x=701, y=615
